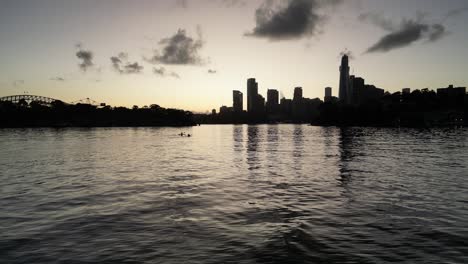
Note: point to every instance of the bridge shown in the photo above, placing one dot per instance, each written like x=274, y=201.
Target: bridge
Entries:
x=45, y=100
x=28, y=98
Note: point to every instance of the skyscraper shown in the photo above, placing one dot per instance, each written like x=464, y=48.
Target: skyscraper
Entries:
x=357, y=87
x=237, y=101
x=328, y=94
x=344, y=80
x=298, y=108
x=272, y=104
x=252, y=95
x=297, y=93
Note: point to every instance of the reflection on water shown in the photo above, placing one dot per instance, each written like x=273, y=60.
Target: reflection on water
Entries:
x=233, y=194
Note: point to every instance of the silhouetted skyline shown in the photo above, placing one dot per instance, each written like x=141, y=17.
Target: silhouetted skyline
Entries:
x=192, y=54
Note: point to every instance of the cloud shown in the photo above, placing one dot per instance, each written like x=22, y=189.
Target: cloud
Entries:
x=57, y=79
x=379, y=20
x=179, y=49
x=436, y=32
x=86, y=58
x=409, y=32
x=161, y=71
x=211, y=71
x=455, y=13
x=175, y=75
x=121, y=65
x=293, y=20
x=133, y=68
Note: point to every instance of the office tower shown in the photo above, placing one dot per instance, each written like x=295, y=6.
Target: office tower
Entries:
x=260, y=105
x=237, y=101
x=297, y=93
x=357, y=85
x=252, y=95
x=298, y=108
x=344, y=80
x=286, y=107
x=272, y=104
x=225, y=110
x=452, y=96
x=328, y=94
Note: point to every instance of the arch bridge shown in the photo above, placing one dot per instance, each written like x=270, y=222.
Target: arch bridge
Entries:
x=28, y=98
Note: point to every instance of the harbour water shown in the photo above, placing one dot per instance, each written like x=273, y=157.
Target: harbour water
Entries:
x=234, y=194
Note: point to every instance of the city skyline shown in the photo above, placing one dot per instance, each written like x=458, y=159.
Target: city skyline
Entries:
x=106, y=51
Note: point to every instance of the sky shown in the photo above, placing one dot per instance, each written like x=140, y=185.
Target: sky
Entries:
x=191, y=54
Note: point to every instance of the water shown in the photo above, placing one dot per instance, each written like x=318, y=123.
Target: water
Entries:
x=233, y=194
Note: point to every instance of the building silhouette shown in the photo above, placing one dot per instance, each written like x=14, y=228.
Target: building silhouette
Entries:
x=252, y=95
x=357, y=85
x=272, y=105
x=406, y=90
x=297, y=94
x=225, y=110
x=452, y=96
x=344, y=80
x=298, y=107
x=259, y=108
x=286, y=107
x=328, y=94
x=237, y=101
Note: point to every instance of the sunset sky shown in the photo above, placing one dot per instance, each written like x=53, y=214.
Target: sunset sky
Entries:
x=191, y=54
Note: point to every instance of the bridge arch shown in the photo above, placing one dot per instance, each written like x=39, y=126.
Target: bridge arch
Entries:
x=28, y=98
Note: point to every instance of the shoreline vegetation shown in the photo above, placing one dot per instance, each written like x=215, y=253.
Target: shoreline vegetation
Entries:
x=59, y=114
x=421, y=108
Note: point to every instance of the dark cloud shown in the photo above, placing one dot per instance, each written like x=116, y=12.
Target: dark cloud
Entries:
x=436, y=32
x=179, y=49
x=121, y=65
x=291, y=20
x=161, y=71
x=86, y=58
x=58, y=79
x=133, y=68
x=409, y=32
x=210, y=71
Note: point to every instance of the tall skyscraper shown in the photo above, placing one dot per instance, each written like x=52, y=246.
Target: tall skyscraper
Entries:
x=252, y=95
x=297, y=93
x=344, y=80
x=298, y=108
x=237, y=101
x=328, y=94
x=272, y=104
